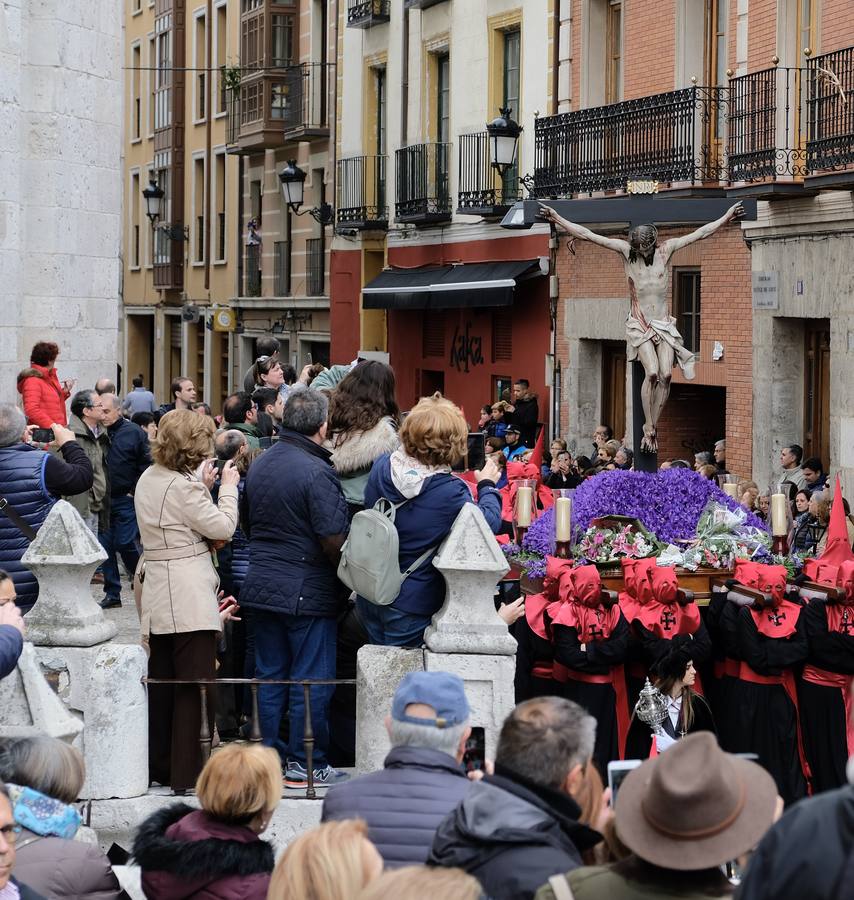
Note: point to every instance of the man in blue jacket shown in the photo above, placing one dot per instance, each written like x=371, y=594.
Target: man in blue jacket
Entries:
x=295, y=516
x=128, y=456
x=422, y=778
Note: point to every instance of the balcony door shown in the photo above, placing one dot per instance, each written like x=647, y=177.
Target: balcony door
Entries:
x=715, y=80
x=443, y=126
x=806, y=47
x=512, y=59
x=817, y=389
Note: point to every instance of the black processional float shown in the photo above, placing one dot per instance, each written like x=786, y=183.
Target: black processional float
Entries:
x=654, y=344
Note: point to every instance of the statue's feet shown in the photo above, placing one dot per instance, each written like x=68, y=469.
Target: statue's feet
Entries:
x=649, y=441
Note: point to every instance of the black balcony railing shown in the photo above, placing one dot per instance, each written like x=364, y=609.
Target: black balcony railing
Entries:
x=830, y=131
x=314, y=266
x=423, y=183
x=361, y=193
x=366, y=13
x=283, y=268
x=482, y=191
x=252, y=271
x=206, y=702
x=766, y=138
x=302, y=98
x=232, y=121
x=670, y=138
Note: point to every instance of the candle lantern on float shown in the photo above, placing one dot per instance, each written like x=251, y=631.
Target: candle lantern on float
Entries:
x=563, y=521
x=524, y=510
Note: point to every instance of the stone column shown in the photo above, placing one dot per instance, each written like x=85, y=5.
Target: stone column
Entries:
x=64, y=556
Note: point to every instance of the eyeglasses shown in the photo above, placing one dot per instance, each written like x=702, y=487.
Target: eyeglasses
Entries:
x=10, y=832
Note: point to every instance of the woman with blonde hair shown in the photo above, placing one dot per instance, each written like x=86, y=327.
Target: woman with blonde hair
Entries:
x=179, y=526
x=417, y=478
x=215, y=853
x=420, y=882
x=44, y=777
x=331, y=862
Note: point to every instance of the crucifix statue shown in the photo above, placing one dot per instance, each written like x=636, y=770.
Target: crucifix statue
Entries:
x=651, y=334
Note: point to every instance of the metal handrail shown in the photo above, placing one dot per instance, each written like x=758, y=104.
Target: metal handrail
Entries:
x=205, y=737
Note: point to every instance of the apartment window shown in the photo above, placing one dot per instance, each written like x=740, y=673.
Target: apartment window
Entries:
x=282, y=251
x=136, y=6
x=163, y=74
x=219, y=188
x=686, y=306
x=200, y=43
x=249, y=5
x=135, y=197
x=717, y=13
x=502, y=335
x=806, y=30
x=252, y=42
x=136, y=92
x=152, y=62
x=221, y=47
x=279, y=101
x=433, y=333
x=149, y=248
x=511, y=67
x=283, y=39
x=443, y=105
x=614, y=51
x=199, y=206
x=380, y=92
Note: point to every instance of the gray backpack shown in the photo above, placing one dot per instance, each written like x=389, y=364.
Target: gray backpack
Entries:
x=370, y=556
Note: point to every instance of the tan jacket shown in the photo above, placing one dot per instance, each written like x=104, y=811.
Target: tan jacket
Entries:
x=176, y=516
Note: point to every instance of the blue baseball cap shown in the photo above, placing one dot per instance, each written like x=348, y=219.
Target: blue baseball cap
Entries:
x=441, y=690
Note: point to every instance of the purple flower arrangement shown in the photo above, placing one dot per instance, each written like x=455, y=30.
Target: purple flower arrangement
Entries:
x=668, y=503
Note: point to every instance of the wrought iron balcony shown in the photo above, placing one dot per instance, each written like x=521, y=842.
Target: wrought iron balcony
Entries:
x=423, y=184
x=361, y=193
x=766, y=140
x=305, y=101
x=672, y=138
x=252, y=271
x=168, y=257
x=367, y=13
x=830, y=126
x=482, y=191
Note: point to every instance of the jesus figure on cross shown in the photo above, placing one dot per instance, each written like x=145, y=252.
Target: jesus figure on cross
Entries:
x=651, y=333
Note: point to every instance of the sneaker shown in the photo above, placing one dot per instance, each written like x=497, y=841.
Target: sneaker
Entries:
x=110, y=603
x=296, y=776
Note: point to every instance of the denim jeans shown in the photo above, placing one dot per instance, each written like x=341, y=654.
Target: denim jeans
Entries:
x=387, y=626
x=121, y=539
x=294, y=647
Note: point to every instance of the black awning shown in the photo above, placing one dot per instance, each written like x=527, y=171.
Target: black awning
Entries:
x=449, y=287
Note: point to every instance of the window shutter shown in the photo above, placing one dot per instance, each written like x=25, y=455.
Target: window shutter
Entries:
x=502, y=335
x=433, y=333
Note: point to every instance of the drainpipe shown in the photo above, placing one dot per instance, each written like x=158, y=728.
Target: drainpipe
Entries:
x=208, y=143
x=333, y=114
x=556, y=56
x=404, y=81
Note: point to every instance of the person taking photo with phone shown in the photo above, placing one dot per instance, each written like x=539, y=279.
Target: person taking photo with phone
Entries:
x=31, y=481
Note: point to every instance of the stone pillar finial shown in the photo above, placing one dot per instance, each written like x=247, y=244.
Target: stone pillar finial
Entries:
x=64, y=556
x=472, y=563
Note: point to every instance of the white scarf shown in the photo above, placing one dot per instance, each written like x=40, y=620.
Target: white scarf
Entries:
x=408, y=475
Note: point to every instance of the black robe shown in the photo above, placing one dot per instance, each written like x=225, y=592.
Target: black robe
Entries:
x=533, y=653
x=640, y=734
x=763, y=720
x=654, y=649
x=822, y=708
x=600, y=700
x=722, y=624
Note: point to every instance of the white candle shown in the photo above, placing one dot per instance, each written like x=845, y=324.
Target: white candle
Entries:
x=524, y=505
x=731, y=488
x=779, y=515
x=563, y=519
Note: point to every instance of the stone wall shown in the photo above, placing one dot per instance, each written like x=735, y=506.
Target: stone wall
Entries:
x=60, y=184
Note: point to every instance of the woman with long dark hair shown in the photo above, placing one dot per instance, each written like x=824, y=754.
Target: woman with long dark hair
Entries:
x=363, y=421
x=687, y=711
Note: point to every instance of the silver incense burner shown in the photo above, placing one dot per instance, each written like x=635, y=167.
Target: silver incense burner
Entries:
x=651, y=707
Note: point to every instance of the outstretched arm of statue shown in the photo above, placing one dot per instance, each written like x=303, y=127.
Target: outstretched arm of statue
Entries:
x=704, y=231
x=585, y=234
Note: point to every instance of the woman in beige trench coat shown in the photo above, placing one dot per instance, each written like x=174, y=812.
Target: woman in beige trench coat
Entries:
x=179, y=611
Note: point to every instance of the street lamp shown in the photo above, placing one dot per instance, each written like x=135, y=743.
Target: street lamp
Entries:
x=503, y=141
x=153, y=201
x=292, y=178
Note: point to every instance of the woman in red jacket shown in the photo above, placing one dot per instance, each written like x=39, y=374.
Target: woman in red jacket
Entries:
x=41, y=392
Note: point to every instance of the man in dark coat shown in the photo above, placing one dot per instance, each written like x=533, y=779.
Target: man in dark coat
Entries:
x=808, y=853
x=31, y=480
x=128, y=456
x=526, y=412
x=422, y=779
x=295, y=516
x=518, y=827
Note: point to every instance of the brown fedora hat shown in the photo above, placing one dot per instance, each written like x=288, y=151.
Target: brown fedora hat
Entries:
x=694, y=806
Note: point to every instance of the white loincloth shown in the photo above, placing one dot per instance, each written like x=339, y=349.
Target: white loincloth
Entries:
x=656, y=332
